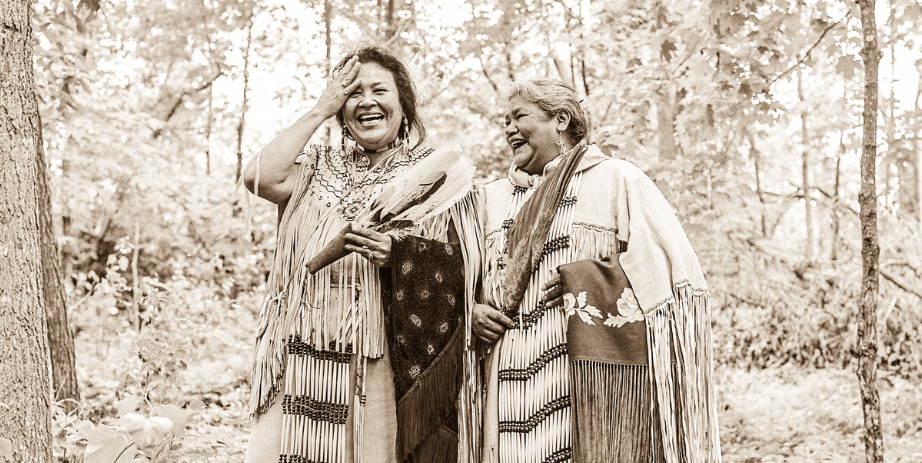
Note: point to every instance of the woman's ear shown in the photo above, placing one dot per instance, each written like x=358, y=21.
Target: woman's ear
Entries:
x=563, y=121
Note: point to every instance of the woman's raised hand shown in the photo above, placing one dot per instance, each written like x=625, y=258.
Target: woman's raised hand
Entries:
x=339, y=88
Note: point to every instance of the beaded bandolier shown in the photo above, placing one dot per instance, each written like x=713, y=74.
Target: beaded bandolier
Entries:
x=317, y=331
x=534, y=394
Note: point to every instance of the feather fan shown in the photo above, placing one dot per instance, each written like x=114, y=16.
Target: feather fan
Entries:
x=429, y=187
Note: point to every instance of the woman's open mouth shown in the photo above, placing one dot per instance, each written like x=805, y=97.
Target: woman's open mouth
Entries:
x=370, y=119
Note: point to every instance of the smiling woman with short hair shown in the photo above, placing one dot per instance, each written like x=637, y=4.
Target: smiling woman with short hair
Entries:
x=593, y=326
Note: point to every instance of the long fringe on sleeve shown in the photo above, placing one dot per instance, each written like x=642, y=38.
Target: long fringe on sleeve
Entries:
x=466, y=215
x=684, y=393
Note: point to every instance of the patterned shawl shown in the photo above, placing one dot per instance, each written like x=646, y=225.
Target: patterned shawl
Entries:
x=424, y=311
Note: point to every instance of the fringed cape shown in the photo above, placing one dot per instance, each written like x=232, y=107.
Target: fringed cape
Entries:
x=607, y=202
x=339, y=309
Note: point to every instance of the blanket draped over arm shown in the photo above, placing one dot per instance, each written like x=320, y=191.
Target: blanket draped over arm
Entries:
x=424, y=313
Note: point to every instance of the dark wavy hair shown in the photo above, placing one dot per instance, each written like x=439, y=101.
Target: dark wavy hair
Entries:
x=406, y=89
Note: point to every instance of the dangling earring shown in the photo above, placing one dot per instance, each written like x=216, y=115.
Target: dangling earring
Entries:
x=406, y=135
x=561, y=148
x=344, y=131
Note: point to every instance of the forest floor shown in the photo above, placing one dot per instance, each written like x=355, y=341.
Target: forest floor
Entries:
x=787, y=414
x=799, y=415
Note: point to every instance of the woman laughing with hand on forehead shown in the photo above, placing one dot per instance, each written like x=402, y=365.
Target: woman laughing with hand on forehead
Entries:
x=349, y=357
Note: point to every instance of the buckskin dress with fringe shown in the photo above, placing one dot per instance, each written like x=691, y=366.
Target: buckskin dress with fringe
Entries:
x=521, y=387
x=318, y=334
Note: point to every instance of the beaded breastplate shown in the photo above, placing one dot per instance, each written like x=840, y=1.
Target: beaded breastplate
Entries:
x=343, y=179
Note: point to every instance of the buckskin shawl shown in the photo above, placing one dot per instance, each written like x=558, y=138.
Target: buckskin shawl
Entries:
x=311, y=326
x=607, y=202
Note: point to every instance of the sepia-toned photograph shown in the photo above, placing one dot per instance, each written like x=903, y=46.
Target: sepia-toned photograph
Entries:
x=460, y=231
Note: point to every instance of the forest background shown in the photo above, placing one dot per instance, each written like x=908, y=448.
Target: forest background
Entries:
x=746, y=113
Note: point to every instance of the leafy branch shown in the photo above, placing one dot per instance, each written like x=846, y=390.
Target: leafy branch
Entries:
x=808, y=52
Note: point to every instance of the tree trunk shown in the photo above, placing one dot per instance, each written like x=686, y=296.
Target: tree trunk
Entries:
x=135, y=279
x=665, y=114
x=209, y=126
x=870, y=249
x=757, y=162
x=916, y=142
x=805, y=167
x=25, y=392
x=60, y=338
x=836, y=186
x=241, y=124
x=566, y=75
x=328, y=42
x=390, y=26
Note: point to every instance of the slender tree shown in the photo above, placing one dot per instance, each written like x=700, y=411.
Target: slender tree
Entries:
x=805, y=166
x=328, y=44
x=836, y=199
x=870, y=249
x=390, y=24
x=666, y=116
x=241, y=123
x=209, y=126
x=756, y=163
x=25, y=393
x=60, y=338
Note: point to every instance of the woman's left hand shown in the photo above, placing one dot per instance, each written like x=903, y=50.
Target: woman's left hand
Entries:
x=553, y=296
x=372, y=245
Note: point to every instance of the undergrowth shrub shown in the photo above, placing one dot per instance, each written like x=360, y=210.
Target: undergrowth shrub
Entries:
x=158, y=391
x=771, y=308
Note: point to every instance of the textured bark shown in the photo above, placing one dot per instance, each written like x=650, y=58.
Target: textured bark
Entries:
x=870, y=249
x=25, y=392
x=60, y=337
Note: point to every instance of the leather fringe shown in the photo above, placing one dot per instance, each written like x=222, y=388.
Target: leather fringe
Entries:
x=612, y=419
x=419, y=423
x=466, y=216
x=684, y=395
x=297, y=302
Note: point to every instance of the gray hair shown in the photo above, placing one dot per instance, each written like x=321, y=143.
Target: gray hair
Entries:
x=553, y=96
